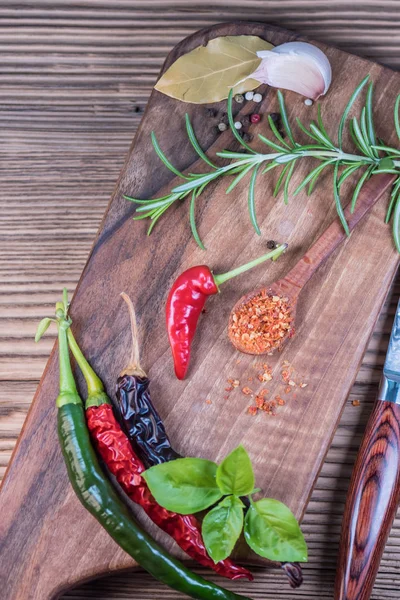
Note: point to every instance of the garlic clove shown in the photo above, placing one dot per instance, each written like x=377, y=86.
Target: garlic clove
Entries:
x=296, y=66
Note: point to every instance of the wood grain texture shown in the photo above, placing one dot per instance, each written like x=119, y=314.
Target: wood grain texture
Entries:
x=72, y=78
x=371, y=505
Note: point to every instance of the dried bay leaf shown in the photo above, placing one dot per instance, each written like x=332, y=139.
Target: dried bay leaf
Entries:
x=207, y=73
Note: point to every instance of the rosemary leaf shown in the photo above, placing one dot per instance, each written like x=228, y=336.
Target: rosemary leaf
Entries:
x=338, y=203
x=158, y=203
x=164, y=159
x=280, y=180
x=192, y=219
x=269, y=167
x=287, y=180
x=239, y=177
x=348, y=108
x=321, y=137
x=229, y=154
x=276, y=133
x=357, y=132
x=155, y=218
x=305, y=130
x=195, y=143
x=395, y=190
x=396, y=116
x=387, y=149
x=271, y=144
x=137, y=201
x=370, y=119
x=284, y=118
x=251, y=201
x=358, y=187
x=232, y=125
x=354, y=138
x=321, y=126
x=363, y=123
x=347, y=172
x=312, y=174
x=396, y=223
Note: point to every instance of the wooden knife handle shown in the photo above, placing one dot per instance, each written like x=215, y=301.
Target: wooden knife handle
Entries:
x=371, y=504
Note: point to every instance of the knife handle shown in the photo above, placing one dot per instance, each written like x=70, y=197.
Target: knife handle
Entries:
x=371, y=504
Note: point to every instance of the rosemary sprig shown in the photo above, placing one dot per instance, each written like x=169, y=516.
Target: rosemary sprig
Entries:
x=373, y=156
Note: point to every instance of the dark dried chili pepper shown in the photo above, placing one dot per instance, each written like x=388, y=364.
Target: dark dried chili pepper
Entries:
x=97, y=495
x=186, y=300
x=116, y=451
x=142, y=422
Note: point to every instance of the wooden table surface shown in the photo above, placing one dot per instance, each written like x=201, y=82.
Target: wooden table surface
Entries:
x=74, y=80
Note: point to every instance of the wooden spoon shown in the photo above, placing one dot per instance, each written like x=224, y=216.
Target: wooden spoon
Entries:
x=292, y=284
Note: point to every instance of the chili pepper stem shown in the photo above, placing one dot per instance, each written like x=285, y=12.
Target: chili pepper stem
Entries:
x=274, y=254
x=133, y=368
x=68, y=392
x=96, y=395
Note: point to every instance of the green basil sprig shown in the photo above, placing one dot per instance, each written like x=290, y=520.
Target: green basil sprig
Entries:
x=190, y=485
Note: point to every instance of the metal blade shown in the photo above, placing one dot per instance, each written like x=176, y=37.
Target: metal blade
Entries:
x=391, y=368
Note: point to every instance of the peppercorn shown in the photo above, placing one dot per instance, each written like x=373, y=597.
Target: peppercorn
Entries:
x=255, y=118
x=246, y=121
x=271, y=245
x=275, y=117
x=249, y=95
x=247, y=137
x=238, y=125
x=222, y=126
x=257, y=98
x=224, y=118
x=239, y=98
x=211, y=112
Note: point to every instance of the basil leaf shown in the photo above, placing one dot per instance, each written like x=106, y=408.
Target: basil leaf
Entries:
x=235, y=473
x=271, y=530
x=185, y=485
x=222, y=527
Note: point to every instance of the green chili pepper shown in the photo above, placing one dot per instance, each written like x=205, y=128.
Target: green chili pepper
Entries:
x=97, y=494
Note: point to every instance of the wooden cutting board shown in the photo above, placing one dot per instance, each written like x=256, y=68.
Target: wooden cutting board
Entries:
x=48, y=542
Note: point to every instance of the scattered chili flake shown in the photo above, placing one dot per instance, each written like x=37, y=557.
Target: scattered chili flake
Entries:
x=303, y=385
x=229, y=389
x=252, y=410
x=208, y=401
x=288, y=389
x=247, y=391
x=280, y=401
x=356, y=403
x=263, y=392
x=261, y=324
x=291, y=382
x=259, y=401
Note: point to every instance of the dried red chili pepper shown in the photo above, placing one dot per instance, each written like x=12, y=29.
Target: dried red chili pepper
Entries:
x=186, y=301
x=116, y=451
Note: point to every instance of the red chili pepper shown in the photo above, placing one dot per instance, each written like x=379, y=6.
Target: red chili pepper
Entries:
x=114, y=448
x=186, y=300
x=116, y=451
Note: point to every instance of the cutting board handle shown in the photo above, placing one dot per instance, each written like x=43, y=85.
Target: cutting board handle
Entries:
x=371, y=504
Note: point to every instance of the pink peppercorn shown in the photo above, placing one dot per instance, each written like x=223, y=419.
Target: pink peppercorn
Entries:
x=255, y=118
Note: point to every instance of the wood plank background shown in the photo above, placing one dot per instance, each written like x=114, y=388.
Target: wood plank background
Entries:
x=74, y=79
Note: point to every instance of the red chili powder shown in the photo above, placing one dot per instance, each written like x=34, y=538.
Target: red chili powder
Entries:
x=262, y=324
